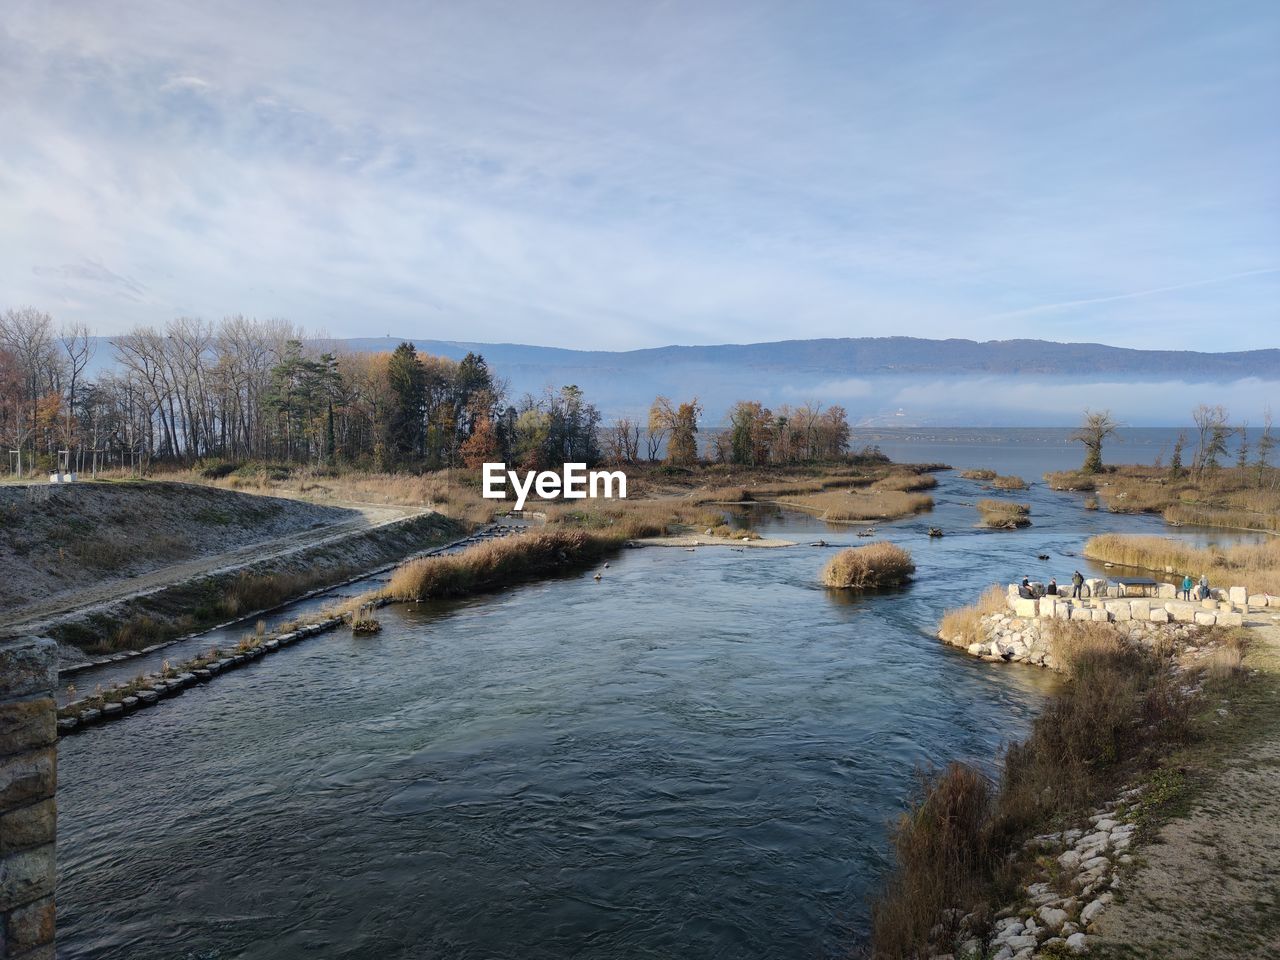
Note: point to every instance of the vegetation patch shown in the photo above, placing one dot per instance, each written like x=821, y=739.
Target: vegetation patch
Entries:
x=959, y=845
x=965, y=623
x=499, y=563
x=880, y=564
x=1255, y=566
x=1004, y=515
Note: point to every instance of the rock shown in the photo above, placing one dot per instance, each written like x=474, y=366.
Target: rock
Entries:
x=1204, y=618
x=1094, y=864
x=1069, y=860
x=1022, y=942
x=1239, y=596
x=1105, y=824
x=1099, y=615
x=1231, y=620
x=1077, y=943
x=1159, y=615
x=1090, y=912
x=1024, y=608
x=1053, y=917
x=1080, y=613
x=1140, y=609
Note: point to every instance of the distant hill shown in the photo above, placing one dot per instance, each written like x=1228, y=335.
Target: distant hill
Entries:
x=890, y=380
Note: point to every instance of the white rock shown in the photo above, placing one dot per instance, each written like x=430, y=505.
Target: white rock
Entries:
x=1069, y=860
x=1053, y=917
x=1078, y=942
x=1090, y=912
x=1106, y=824
x=1238, y=596
x=1094, y=864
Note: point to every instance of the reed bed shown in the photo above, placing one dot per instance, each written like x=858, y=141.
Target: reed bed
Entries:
x=978, y=474
x=856, y=506
x=1072, y=480
x=1004, y=515
x=907, y=482
x=1009, y=482
x=1255, y=566
x=875, y=565
x=958, y=843
x=499, y=563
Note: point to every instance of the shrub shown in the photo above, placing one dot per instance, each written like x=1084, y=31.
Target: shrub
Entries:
x=879, y=564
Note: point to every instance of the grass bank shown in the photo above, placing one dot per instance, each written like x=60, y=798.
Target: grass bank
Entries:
x=959, y=847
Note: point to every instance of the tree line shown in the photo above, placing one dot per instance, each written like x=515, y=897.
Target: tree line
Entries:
x=244, y=388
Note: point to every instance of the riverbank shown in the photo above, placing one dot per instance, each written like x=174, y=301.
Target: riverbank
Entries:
x=1194, y=768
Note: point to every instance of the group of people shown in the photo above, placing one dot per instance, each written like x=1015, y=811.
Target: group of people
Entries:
x=1202, y=591
x=1026, y=591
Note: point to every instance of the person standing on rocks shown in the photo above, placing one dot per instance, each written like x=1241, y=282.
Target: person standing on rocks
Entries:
x=1187, y=584
x=1077, y=581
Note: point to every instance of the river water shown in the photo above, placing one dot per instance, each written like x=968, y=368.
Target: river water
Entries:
x=697, y=756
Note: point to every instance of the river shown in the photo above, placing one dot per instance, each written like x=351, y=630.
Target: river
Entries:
x=698, y=755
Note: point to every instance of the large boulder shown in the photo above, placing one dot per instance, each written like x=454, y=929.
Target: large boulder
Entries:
x=1231, y=619
x=1140, y=609
x=1238, y=596
x=1205, y=619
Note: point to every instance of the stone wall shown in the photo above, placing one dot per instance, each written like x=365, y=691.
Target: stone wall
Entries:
x=1226, y=607
x=28, y=814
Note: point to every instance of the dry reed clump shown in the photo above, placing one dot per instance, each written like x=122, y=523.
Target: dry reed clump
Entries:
x=963, y=626
x=853, y=506
x=1003, y=515
x=1121, y=706
x=1072, y=480
x=907, y=482
x=490, y=566
x=978, y=474
x=1008, y=483
x=881, y=564
x=1255, y=566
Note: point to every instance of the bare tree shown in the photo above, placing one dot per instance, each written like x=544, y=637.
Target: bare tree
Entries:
x=1211, y=430
x=1093, y=432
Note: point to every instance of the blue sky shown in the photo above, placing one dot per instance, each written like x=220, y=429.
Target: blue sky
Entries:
x=626, y=174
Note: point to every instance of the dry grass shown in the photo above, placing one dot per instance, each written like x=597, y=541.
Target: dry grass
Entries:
x=907, y=482
x=1221, y=498
x=1004, y=515
x=978, y=474
x=880, y=564
x=855, y=505
x=1072, y=480
x=965, y=623
x=1255, y=566
x=1009, y=483
x=956, y=845
x=499, y=563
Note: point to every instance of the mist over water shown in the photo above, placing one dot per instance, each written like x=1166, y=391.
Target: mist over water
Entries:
x=698, y=755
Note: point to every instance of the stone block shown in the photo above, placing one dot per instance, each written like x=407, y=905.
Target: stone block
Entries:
x=1273, y=601
x=1118, y=609
x=1167, y=591
x=28, y=667
x=1231, y=619
x=1238, y=595
x=31, y=926
x=1183, y=611
x=31, y=826
x=27, y=777
x=1024, y=608
x=26, y=724
x=1209, y=603
x=1047, y=605
x=1097, y=586
x=1258, y=600
x=1205, y=619
x=1081, y=613
x=1159, y=615
x=1100, y=616
x=1062, y=611
x=1140, y=609
x=26, y=877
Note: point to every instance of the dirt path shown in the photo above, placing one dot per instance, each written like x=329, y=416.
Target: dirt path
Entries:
x=1209, y=884
x=84, y=601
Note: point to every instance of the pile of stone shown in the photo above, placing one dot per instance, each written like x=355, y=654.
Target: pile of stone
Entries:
x=1011, y=639
x=1079, y=869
